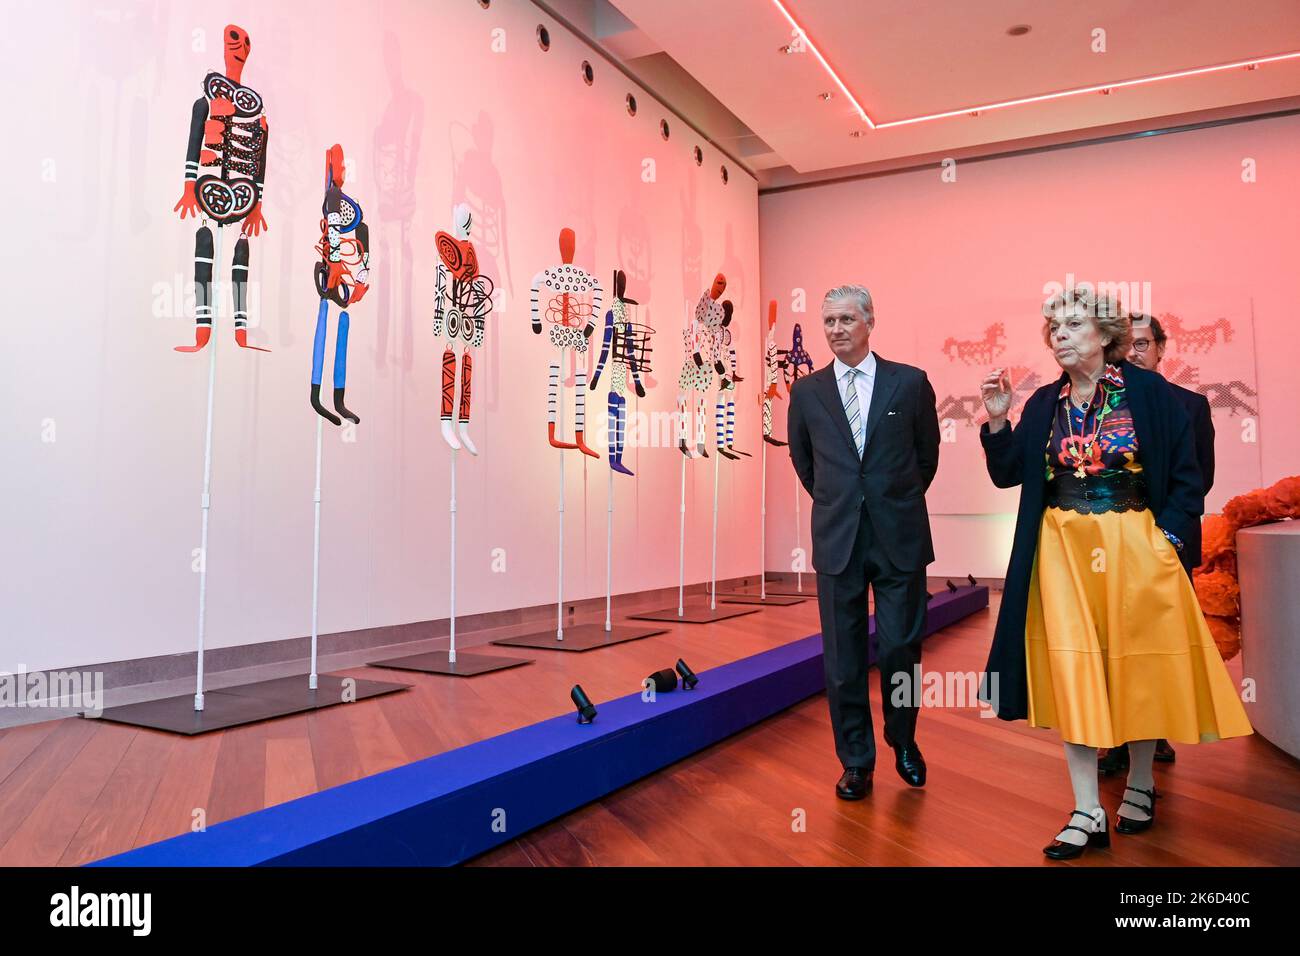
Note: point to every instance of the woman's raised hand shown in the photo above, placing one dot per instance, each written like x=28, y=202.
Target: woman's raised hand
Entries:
x=996, y=392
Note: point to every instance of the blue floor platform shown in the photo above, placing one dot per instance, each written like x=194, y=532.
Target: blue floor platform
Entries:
x=450, y=807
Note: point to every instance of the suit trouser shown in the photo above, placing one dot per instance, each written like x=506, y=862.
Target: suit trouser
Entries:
x=900, y=599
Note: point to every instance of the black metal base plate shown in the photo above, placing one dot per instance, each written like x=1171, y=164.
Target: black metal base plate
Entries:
x=246, y=704
x=774, y=600
x=581, y=637
x=695, y=614
x=438, y=662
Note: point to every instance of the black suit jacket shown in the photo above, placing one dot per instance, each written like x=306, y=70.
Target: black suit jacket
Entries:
x=1197, y=407
x=899, y=459
x=1015, y=456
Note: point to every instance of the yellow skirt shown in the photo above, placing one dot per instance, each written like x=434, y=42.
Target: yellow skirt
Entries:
x=1115, y=643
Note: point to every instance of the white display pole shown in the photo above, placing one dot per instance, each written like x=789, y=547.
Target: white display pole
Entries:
x=451, y=650
x=681, y=549
x=713, y=574
x=798, y=535
x=206, y=500
x=315, y=556
x=762, y=530
x=559, y=564
x=609, y=550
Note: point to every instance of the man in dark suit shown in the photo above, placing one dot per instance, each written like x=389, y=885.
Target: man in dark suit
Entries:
x=1147, y=350
x=864, y=440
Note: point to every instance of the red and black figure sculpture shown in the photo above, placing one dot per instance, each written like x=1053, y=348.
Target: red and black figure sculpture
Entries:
x=463, y=300
x=225, y=167
x=344, y=242
x=572, y=304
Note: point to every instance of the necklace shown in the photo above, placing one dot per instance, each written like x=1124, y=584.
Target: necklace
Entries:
x=1085, y=454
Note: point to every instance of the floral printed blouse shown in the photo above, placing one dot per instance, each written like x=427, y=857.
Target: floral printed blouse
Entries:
x=1099, y=440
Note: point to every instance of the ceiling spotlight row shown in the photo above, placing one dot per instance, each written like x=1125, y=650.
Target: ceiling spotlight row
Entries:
x=589, y=77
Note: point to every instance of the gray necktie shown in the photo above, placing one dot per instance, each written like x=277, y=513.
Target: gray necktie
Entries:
x=852, y=409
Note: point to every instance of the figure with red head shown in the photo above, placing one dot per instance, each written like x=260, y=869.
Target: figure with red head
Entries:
x=701, y=360
x=344, y=242
x=462, y=301
x=227, y=144
x=572, y=304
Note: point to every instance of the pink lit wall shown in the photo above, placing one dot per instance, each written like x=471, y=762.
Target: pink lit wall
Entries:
x=1199, y=227
x=434, y=103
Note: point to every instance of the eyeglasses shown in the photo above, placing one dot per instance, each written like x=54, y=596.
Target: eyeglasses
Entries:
x=1140, y=345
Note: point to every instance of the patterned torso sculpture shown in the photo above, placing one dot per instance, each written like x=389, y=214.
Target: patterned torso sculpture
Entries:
x=344, y=242
x=228, y=135
x=700, y=362
x=572, y=303
x=724, y=351
x=795, y=358
x=771, y=375
x=463, y=299
x=625, y=346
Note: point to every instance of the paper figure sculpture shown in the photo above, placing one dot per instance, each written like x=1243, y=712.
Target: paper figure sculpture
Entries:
x=794, y=359
x=625, y=346
x=700, y=362
x=573, y=299
x=462, y=301
x=344, y=242
x=724, y=429
x=771, y=375
x=228, y=135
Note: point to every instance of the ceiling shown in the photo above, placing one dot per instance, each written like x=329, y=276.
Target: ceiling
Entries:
x=719, y=62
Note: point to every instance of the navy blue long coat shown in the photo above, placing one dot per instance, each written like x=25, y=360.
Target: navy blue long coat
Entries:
x=1015, y=456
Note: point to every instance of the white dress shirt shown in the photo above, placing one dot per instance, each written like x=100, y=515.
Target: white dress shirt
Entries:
x=865, y=380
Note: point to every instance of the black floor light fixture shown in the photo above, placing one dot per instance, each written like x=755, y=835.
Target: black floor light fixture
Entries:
x=586, y=709
x=662, y=681
x=689, y=680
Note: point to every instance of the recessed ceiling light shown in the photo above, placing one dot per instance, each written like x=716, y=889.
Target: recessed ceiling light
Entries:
x=1019, y=30
x=825, y=96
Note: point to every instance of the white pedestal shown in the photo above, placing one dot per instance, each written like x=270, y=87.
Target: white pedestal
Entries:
x=1268, y=569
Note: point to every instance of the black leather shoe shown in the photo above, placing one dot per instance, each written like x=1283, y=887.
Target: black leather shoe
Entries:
x=854, y=784
x=908, y=762
x=1127, y=825
x=1114, y=760
x=1061, y=850
x=1164, y=752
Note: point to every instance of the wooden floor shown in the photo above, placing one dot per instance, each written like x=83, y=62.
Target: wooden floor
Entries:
x=76, y=790
x=997, y=793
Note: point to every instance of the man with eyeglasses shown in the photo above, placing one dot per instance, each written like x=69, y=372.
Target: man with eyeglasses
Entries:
x=1147, y=350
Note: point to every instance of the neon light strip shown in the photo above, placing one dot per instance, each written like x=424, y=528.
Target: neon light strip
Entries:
x=1118, y=84
x=799, y=31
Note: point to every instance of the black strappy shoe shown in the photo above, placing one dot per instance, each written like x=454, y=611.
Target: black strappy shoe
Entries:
x=1061, y=850
x=1128, y=825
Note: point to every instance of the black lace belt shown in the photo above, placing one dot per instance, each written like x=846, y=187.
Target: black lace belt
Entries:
x=1095, y=494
